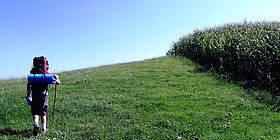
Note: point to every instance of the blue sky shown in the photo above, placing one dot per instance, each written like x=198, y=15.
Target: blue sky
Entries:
x=76, y=34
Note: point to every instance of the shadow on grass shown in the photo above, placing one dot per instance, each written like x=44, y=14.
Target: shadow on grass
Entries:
x=9, y=131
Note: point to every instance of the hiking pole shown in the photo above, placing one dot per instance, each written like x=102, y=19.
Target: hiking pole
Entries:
x=54, y=102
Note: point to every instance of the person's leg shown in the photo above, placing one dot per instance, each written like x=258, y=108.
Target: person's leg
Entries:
x=44, y=110
x=36, y=120
x=36, y=125
x=44, y=123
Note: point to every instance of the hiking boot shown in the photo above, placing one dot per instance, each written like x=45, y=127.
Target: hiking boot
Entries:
x=44, y=130
x=36, y=130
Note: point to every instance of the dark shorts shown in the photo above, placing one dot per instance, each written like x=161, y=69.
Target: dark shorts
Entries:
x=39, y=102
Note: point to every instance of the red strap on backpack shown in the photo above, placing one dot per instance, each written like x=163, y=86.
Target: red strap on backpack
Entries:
x=45, y=65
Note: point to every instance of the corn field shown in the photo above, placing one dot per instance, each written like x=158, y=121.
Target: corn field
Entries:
x=249, y=51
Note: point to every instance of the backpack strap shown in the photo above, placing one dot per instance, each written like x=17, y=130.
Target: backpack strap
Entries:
x=34, y=78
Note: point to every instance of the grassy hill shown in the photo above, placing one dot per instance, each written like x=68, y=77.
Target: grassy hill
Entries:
x=161, y=98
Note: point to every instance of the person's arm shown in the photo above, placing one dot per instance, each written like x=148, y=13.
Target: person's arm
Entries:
x=56, y=77
x=28, y=90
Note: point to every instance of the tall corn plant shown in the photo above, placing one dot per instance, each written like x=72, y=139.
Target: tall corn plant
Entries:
x=249, y=51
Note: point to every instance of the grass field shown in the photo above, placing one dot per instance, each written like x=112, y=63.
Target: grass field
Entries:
x=161, y=98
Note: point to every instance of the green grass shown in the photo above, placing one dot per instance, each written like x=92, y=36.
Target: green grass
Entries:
x=161, y=98
x=246, y=52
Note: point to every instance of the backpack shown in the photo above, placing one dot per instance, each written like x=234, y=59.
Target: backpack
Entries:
x=40, y=65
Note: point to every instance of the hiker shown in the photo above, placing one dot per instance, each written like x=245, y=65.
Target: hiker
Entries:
x=38, y=94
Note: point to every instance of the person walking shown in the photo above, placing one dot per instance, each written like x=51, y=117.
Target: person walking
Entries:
x=38, y=94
